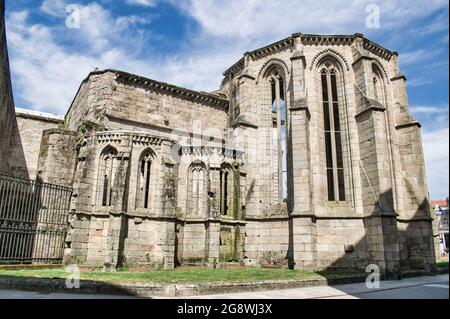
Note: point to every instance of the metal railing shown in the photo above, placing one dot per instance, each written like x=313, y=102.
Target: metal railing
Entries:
x=33, y=220
x=443, y=222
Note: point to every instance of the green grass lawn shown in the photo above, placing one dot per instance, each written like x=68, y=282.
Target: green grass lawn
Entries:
x=442, y=263
x=176, y=276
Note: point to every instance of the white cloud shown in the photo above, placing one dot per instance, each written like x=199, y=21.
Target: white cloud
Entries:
x=416, y=56
x=46, y=74
x=55, y=8
x=436, y=152
x=145, y=3
x=266, y=18
x=422, y=109
x=419, y=82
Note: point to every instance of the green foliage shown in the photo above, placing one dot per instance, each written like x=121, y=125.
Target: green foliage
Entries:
x=83, y=128
x=64, y=125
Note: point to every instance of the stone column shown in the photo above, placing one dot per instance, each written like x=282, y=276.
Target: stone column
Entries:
x=298, y=153
x=117, y=217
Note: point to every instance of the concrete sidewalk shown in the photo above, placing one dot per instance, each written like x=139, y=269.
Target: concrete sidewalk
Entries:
x=426, y=287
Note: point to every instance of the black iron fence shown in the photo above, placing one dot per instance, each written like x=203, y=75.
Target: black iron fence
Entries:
x=33, y=221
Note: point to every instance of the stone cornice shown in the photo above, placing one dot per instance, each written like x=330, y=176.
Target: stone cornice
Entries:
x=271, y=48
x=415, y=219
x=39, y=118
x=398, y=77
x=408, y=124
x=371, y=109
x=244, y=123
x=310, y=39
x=235, y=68
x=114, y=136
x=301, y=108
x=316, y=39
x=377, y=49
x=176, y=91
x=247, y=76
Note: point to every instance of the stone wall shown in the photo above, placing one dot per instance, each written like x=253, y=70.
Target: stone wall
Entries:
x=8, y=127
x=267, y=242
x=109, y=100
x=57, y=157
x=31, y=125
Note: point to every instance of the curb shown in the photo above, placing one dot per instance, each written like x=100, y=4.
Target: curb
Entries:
x=168, y=290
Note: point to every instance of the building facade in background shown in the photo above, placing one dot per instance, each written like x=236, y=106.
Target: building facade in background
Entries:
x=306, y=157
x=440, y=226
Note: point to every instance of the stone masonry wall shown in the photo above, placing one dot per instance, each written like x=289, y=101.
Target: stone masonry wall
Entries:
x=57, y=157
x=146, y=243
x=267, y=242
x=107, y=102
x=7, y=117
x=29, y=138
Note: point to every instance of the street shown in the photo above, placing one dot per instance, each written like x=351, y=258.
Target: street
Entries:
x=427, y=287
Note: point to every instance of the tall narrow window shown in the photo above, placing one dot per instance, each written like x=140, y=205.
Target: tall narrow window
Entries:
x=333, y=143
x=377, y=85
x=226, y=190
x=375, y=88
x=144, y=178
x=197, y=190
x=234, y=100
x=106, y=176
x=279, y=121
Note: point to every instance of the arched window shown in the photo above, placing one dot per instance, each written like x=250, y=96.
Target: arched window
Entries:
x=278, y=99
x=226, y=190
x=332, y=130
x=144, y=178
x=377, y=81
x=197, y=189
x=105, y=178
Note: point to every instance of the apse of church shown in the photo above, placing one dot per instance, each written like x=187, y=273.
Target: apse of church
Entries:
x=306, y=157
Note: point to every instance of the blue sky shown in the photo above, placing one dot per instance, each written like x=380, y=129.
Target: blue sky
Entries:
x=191, y=42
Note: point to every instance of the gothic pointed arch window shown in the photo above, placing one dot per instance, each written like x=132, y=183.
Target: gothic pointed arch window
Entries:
x=226, y=190
x=330, y=85
x=197, y=189
x=377, y=84
x=277, y=82
x=105, y=177
x=144, y=179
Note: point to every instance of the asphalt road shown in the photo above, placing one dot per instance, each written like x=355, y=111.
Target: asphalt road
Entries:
x=432, y=287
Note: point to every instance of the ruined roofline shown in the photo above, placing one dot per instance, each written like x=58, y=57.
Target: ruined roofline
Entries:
x=42, y=116
x=178, y=91
x=311, y=39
